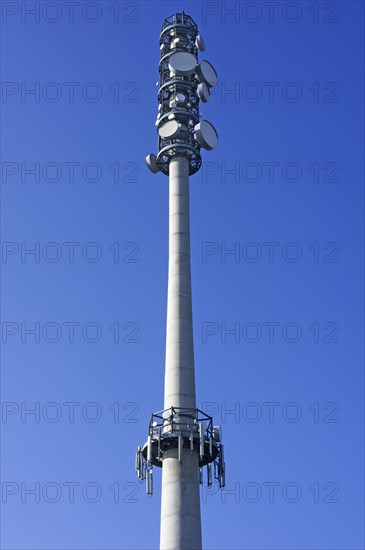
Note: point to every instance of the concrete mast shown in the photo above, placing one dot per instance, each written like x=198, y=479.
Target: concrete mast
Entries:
x=180, y=500
x=181, y=438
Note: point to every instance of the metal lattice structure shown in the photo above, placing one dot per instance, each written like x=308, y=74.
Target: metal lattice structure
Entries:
x=180, y=91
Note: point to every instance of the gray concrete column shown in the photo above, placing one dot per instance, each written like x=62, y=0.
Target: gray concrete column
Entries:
x=180, y=499
x=179, y=367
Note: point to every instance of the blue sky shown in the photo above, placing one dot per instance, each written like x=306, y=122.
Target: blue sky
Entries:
x=289, y=112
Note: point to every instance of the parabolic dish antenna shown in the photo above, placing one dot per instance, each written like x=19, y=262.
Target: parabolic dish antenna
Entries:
x=169, y=130
x=203, y=92
x=206, y=73
x=199, y=43
x=180, y=98
x=182, y=63
x=206, y=135
x=152, y=163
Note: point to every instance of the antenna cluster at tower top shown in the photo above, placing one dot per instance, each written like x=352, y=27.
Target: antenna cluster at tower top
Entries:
x=184, y=82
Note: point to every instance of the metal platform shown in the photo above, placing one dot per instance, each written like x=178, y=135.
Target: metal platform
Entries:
x=182, y=429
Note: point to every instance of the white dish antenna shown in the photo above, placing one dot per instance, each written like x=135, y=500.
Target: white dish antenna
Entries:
x=152, y=163
x=203, y=92
x=206, y=73
x=182, y=63
x=206, y=135
x=199, y=43
x=170, y=129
